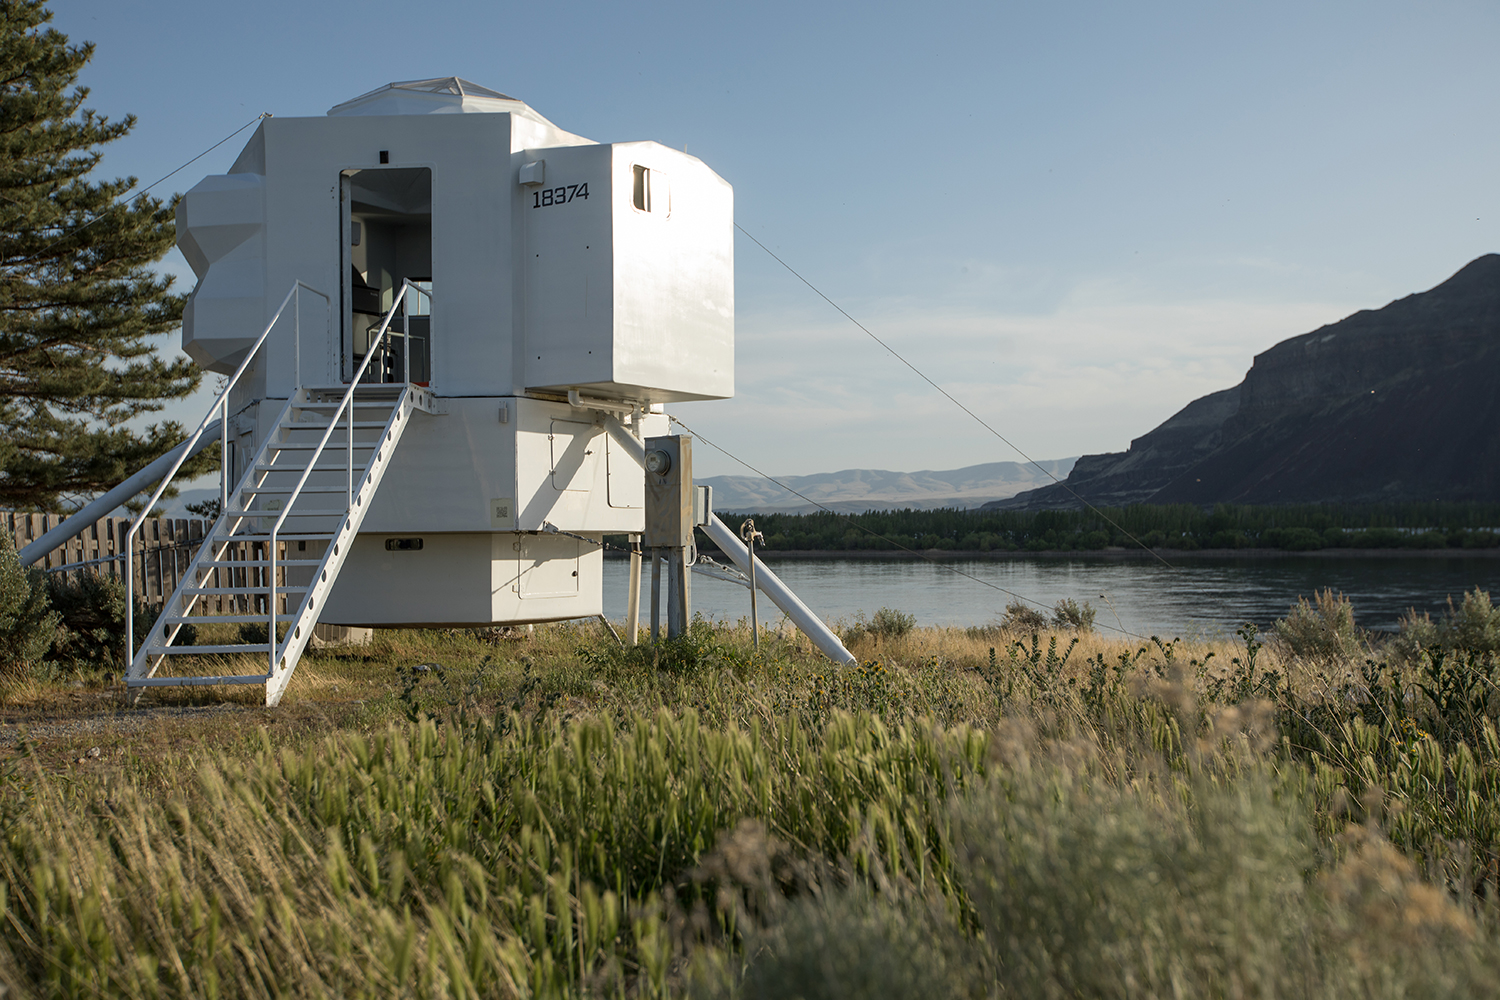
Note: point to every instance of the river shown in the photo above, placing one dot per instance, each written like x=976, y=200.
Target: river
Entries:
x=1194, y=597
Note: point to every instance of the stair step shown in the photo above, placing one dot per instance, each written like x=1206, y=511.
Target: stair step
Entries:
x=302, y=468
x=341, y=425
x=136, y=682
x=338, y=419
x=242, y=591
x=249, y=647
x=359, y=404
x=258, y=536
x=263, y=563
x=288, y=489
x=221, y=620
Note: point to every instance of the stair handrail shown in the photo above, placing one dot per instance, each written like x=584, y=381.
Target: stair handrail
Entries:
x=347, y=403
x=220, y=407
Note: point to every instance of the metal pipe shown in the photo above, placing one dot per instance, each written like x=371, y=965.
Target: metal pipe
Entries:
x=99, y=507
x=749, y=534
x=770, y=584
x=631, y=444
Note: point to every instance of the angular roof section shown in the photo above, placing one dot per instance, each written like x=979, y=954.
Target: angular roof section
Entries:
x=440, y=85
x=440, y=95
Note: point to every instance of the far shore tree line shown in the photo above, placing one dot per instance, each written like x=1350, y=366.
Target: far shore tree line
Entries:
x=1183, y=527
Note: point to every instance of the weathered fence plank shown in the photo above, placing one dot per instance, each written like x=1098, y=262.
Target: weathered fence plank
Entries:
x=164, y=548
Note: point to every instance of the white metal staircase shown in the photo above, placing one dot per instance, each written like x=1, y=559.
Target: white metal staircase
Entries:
x=282, y=536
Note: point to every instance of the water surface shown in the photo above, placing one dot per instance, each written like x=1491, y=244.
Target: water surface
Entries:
x=1198, y=597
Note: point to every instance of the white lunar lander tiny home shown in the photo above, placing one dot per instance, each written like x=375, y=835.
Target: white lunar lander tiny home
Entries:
x=449, y=328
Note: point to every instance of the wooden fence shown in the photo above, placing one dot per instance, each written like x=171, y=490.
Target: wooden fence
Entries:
x=164, y=548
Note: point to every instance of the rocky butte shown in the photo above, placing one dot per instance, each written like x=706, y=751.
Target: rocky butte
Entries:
x=1393, y=404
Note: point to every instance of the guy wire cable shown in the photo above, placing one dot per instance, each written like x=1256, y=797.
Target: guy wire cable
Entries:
x=876, y=534
x=920, y=374
x=141, y=193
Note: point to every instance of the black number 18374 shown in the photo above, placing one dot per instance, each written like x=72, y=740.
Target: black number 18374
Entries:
x=559, y=195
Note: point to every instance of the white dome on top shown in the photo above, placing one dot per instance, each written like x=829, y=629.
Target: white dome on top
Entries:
x=443, y=95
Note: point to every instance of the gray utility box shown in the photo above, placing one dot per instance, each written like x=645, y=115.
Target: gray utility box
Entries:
x=669, y=492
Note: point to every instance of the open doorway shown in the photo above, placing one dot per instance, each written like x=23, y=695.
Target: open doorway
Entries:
x=387, y=238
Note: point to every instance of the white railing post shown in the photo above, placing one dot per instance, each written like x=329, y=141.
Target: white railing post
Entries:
x=271, y=594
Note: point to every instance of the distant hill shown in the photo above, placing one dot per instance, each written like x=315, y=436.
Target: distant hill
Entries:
x=858, y=490
x=1393, y=404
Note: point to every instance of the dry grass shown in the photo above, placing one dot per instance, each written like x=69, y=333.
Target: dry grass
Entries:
x=966, y=813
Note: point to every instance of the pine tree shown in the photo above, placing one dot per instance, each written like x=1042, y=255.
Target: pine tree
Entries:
x=79, y=302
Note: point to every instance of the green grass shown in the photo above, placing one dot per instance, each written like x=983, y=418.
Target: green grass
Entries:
x=965, y=813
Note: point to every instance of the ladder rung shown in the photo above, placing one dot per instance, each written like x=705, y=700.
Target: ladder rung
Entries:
x=137, y=682
x=252, y=647
x=252, y=563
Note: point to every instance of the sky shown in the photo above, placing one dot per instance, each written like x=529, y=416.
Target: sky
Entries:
x=1076, y=217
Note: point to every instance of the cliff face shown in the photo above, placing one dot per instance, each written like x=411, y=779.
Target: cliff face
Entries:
x=1399, y=403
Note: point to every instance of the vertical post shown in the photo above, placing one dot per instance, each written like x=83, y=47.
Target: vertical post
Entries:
x=297, y=332
x=633, y=601
x=223, y=456
x=129, y=602
x=749, y=534
x=674, y=594
x=655, y=594
x=271, y=598
x=406, y=341
x=681, y=593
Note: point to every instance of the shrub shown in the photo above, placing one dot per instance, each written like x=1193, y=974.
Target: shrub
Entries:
x=1092, y=891
x=852, y=945
x=697, y=649
x=1069, y=614
x=92, y=608
x=1417, y=632
x=1085, y=889
x=888, y=623
x=1023, y=619
x=28, y=626
x=1323, y=630
x=1472, y=625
